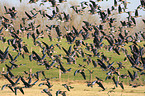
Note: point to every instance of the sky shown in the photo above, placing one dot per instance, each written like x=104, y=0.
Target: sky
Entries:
x=133, y=3
x=105, y=4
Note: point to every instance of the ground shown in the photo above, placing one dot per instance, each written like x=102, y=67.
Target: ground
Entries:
x=80, y=89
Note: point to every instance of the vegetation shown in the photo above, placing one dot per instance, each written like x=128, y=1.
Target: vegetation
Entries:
x=117, y=46
x=79, y=90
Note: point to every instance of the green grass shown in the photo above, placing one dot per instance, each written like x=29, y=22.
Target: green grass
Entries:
x=54, y=72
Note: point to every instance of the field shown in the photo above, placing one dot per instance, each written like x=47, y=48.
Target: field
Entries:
x=95, y=52
x=25, y=64
x=80, y=85
x=80, y=89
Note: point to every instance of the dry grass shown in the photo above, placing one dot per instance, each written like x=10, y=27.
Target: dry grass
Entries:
x=80, y=89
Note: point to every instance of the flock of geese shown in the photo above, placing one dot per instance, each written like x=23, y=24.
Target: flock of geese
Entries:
x=80, y=49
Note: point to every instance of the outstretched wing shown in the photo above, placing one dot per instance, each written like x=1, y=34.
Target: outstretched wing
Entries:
x=83, y=74
x=6, y=9
x=4, y=86
x=28, y=15
x=46, y=45
x=35, y=14
x=67, y=53
x=121, y=85
x=6, y=76
x=131, y=76
x=38, y=57
x=77, y=71
x=69, y=50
